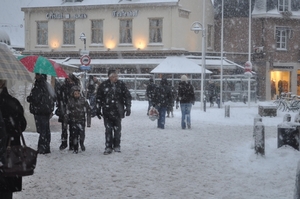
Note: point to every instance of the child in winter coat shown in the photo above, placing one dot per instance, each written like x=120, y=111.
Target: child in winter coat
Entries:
x=78, y=112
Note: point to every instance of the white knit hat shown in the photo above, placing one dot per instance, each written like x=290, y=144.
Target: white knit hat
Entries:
x=184, y=78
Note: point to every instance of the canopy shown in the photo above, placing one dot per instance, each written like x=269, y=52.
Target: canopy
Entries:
x=178, y=65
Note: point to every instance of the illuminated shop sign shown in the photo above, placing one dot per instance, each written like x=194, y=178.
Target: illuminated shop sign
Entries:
x=53, y=15
x=123, y=13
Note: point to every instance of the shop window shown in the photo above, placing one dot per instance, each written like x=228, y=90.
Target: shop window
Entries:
x=125, y=31
x=69, y=32
x=155, y=30
x=97, y=31
x=283, y=5
x=42, y=33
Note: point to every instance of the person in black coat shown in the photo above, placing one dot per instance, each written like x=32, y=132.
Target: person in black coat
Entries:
x=63, y=95
x=12, y=121
x=186, y=97
x=78, y=112
x=162, y=100
x=41, y=99
x=113, y=103
x=150, y=93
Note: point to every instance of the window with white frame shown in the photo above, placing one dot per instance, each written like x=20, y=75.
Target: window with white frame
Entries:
x=209, y=35
x=97, y=31
x=281, y=38
x=283, y=5
x=69, y=32
x=126, y=31
x=155, y=30
x=42, y=33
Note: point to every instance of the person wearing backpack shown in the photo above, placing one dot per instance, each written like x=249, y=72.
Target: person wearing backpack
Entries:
x=41, y=99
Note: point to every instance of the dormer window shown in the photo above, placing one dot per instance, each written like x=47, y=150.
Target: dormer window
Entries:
x=284, y=5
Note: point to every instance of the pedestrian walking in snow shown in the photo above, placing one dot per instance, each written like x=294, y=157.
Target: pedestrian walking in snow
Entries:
x=41, y=99
x=12, y=121
x=170, y=107
x=162, y=99
x=63, y=95
x=150, y=93
x=77, y=114
x=186, y=98
x=113, y=103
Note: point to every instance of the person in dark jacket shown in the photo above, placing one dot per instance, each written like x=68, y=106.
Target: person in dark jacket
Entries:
x=150, y=93
x=92, y=86
x=162, y=99
x=78, y=112
x=170, y=107
x=63, y=94
x=41, y=99
x=186, y=97
x=113, y=103
x=12, y=121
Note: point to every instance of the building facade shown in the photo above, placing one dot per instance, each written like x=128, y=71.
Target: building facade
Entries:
x=116, y=29
x=274, y=42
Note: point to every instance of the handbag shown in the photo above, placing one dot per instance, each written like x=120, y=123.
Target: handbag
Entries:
x=153, y=113
x=20, y=160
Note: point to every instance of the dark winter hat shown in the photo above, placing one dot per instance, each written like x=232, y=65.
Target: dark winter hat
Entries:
x=111, y=71
x=75, y=88
x=150, y=80
x=164, y=81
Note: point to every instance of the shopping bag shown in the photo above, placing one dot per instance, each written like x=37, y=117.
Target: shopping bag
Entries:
x=20, y=160
x=153, y=113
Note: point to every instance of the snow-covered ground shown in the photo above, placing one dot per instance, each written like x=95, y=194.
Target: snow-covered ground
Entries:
x=213, y=160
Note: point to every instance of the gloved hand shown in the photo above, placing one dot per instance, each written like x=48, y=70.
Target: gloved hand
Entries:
x=99, y=113
x=177, y=106
x=127, y=111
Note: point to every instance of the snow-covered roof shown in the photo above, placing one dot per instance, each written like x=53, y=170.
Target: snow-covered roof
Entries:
x=178, y=65
x=54, y=3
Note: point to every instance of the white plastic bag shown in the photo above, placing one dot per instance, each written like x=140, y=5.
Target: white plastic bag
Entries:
x=153, y=113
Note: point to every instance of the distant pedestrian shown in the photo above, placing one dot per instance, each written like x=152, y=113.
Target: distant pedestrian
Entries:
x=170, y=108
x=113, y=103
x=92, y=86
x=150, y=93
x=77, y=114
x=186, y=98
x=162, y=99
x=41, y=99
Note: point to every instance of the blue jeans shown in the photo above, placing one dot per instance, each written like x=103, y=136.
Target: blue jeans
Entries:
x=162, y=117
x=185, y=114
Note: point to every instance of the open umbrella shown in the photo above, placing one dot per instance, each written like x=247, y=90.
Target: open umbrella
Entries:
x=42, y=65
x=10, y=67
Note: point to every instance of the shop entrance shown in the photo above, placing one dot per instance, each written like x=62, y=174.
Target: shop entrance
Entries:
x=280, y=82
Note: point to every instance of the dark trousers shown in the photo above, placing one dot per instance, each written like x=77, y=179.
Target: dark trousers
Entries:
x=112, y=132
x=77, y=133
x=162, y=117
x=43, y=128
x=6, y=195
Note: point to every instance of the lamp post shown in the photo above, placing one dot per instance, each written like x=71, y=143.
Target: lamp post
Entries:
x=82, y=37
x=197, y=27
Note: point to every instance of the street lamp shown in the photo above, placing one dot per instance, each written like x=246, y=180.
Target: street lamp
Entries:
x=82, y=37
x=197, y=27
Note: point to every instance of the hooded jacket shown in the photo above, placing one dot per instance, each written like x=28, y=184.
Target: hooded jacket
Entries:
x=77, y=108
x=163, y=94
x=113, y=98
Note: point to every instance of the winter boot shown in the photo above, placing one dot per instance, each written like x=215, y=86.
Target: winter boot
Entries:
x=82, y=146
x=71, y=143
x=107, y=151
x=63, y=145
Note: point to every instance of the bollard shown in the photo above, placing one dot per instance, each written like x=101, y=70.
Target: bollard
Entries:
x=256, y=119
x=227, y=110
x=218, y=102
x=297, y=188
x=204, y=104
x=259, y=138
